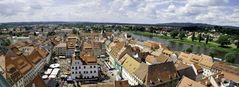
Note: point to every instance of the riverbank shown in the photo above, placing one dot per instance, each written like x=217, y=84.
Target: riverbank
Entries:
x=211, y=45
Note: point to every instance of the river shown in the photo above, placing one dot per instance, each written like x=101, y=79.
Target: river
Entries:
x=181, y=46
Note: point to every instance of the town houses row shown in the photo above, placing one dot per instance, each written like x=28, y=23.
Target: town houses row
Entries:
x=151, y=63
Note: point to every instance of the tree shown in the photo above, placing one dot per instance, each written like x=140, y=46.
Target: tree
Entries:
x=174, y=33
x=35, y=34
x=237, y=43
x=74, y=31
x=236, y=40
x=6, y=42
x=223, y=40
x=165, y=34
x=182, y=35
x=193, y=36
x=207, y=39
x=189, y=50
x=212, y=54
x=230, y=57
x=51, y=33
x=199, y=37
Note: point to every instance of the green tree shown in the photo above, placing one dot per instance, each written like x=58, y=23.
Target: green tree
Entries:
x=200, y=37
x=207, y=39
x=230, y=57
x=193, y=36
x=189, y=50
x=6, y=42
x=165, y=34
x=223, y=40
x=35, y=34
x=174, y=33
x=51, y=33
x=236, y=40
x=212, y=54
x=237, y=44
x=74, y=31
x=182, y=35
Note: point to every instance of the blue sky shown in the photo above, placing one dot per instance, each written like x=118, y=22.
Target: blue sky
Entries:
x=220, y=12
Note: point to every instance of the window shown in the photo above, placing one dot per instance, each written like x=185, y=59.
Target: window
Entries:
x=84, y=67
x=72, y=67
x=76, y=72
x=72, y=72
x=94, y=71
x=79, y=67
x=90, y=71
x=94, y=66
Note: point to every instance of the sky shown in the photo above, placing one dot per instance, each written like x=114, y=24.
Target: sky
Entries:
x=219, y=12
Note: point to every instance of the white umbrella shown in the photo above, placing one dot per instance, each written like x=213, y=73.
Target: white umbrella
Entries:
x=55, y=65
x=44, y=76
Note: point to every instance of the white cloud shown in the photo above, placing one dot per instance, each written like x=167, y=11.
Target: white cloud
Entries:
x=139, y=11
x=206, y=3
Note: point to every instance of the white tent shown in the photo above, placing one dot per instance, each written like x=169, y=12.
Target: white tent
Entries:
x=55, y=71
x=55, y=65
x=44, y=76
x=48, y=71
x=52, y=76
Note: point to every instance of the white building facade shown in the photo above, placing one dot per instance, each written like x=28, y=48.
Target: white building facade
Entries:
x=81, y=71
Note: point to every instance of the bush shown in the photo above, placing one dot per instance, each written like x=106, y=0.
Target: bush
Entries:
x=189, y=50
x=230, y=57
x=223, y=40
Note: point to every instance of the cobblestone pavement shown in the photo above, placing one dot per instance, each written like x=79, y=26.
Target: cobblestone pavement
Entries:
x=64, y=70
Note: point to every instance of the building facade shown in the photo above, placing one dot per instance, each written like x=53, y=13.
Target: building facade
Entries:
x=80, y=71
x=60, y=49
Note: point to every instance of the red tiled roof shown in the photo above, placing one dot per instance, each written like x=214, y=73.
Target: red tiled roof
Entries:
x=122, y=83
x=158, y=73
x=88, y=57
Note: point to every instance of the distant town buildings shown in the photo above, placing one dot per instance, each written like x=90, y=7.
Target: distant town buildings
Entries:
x=58, y=56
